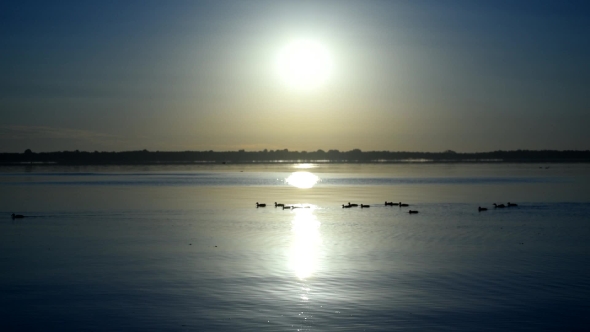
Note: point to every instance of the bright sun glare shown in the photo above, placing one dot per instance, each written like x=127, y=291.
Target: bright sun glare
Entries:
x=303, y=180
x=306, y=243
x=304, y=64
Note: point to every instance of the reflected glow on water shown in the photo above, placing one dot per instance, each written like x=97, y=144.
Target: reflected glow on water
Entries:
x=305, y=244
x=303, y=180
x=305, y=166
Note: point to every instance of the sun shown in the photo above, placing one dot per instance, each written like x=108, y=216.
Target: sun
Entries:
x=304, y=64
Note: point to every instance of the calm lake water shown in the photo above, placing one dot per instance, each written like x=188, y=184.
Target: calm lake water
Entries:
x=185, y=248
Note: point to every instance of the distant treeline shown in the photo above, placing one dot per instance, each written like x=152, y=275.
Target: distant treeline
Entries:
x=273, y=156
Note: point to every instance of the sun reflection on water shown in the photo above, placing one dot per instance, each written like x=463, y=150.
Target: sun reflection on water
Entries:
x=305, y=243
x=303, y=180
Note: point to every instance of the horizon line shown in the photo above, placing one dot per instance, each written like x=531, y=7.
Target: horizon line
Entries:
x=293, y=151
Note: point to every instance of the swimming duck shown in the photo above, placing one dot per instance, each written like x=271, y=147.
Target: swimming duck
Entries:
x=499, y=205
x=365, y=206
x=412, y=211
x=390, y=203
x=260, y=204
x=512, y=204
x=279, y=204
x=404, y=204
x=346, y=206
x=17, y=216
x=352, y=205
x=481, y=209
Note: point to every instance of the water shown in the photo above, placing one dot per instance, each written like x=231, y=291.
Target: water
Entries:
x=185, y=248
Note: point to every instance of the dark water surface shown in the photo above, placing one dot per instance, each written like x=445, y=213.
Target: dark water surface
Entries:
x=185, y=248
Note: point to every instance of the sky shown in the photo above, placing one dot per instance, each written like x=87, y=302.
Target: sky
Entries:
x=469, y=76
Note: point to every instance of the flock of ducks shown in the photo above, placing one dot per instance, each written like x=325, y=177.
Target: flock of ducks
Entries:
x=363, y=206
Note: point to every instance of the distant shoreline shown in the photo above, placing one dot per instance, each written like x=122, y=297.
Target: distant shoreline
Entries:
x=144, y=157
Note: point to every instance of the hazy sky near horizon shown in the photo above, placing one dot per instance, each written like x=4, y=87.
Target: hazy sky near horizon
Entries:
x=425, y=75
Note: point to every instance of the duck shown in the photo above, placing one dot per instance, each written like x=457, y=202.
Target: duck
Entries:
x=499, y=205
x=17, y=216
x=390, y=203
x=512, y=204
x=287, y=207
x=365, y=206
x=352, y=205
x=279, y=204
x=412, y=211
x=346, y=206
x=481, y=209
x=404, y=204
x=260, y=204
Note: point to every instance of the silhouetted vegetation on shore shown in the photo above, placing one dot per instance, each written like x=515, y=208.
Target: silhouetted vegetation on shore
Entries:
x=273, y=156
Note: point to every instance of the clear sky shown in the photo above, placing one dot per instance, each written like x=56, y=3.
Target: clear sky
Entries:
x=226, y=75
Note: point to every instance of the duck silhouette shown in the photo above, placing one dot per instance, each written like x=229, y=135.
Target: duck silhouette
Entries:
x=17, y=216
x=260, y=204
x=481, y=209
x=365, y=206
x=412, y=211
